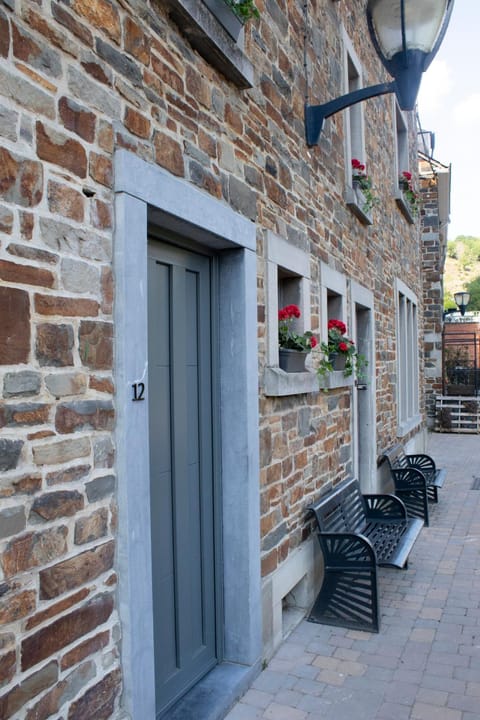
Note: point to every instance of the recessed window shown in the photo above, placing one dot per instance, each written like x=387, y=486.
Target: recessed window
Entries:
x=287, y=283
x=333, y=306
x=402, y=147
x=354, y=132
x=407, y=359
x=353, y=116
x=402, y=194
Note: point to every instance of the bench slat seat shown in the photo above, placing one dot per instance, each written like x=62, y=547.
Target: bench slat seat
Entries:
x=356, y=534
x=416, y=479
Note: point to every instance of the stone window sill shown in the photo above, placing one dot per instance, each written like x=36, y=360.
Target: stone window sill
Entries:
x=355, y=200
x=404, y=207
x=335, y=379
x=212, y=41
x=407, y=426
x=279, y=383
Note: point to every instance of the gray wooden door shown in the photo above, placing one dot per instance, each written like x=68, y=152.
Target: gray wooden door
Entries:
x=182, y=480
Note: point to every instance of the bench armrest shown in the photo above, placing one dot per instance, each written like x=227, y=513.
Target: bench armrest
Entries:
x=385, y=507
x=343, y=550
x=409, y=479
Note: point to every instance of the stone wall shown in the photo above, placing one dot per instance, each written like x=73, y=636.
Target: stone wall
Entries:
x=79, y=78
x=434, y=248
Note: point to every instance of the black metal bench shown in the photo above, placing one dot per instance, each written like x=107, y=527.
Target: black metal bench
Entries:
x=416, y=479
x=356, y=533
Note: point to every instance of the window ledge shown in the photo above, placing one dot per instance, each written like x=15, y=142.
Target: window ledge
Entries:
x=408, y=425
x=278, y=383
x=355, y=200
x=404, y=207
x=212, y=41
x=335, y=379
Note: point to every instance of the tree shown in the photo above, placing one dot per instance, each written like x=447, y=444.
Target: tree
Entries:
x=473, y=288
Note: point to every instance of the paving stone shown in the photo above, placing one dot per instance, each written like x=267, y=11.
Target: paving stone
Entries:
x=423, y=664
x=421, y=711
x=276, y=711
x=257, y=698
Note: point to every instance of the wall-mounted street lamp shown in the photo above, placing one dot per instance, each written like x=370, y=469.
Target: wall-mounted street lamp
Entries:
x=406, y=35
x=461, y=299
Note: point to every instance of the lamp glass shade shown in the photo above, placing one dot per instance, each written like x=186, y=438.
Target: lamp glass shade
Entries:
x=462, y=298
x=423, y=23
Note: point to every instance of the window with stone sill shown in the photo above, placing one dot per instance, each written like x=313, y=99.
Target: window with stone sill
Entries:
x=211, y=27
x=354, y=130
x=408, y=407
x=333, y=304
x=402, y=161
x=287, y=282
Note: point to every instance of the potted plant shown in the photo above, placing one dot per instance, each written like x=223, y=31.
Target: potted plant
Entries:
x=244, y=9
x=363, y=187
x=340, y=352
x=412, y=198
x=233, y=14
x=293, y=347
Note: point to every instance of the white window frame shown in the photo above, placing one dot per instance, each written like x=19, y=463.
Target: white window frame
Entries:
x=408, y=366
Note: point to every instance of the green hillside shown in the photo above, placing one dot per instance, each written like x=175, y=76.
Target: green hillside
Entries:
x=462, y=270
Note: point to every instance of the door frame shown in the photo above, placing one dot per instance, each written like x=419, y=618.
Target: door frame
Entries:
x=364, y=433
x=148, y=195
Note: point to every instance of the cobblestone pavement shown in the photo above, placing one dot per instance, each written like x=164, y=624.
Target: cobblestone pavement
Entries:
x=425, y=662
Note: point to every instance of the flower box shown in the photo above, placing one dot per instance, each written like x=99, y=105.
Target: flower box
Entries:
x=292, y=361
x=404, y=206
x=226, y=16
x=357, y=201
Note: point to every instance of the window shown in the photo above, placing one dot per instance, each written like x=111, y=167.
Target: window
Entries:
x=402, y=162
x=354, y=130
x=333, y=300
x=407, y=359
x=401, y=132
x=287, y=282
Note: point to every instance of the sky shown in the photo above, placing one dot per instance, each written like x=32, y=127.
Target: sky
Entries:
x=449, y=106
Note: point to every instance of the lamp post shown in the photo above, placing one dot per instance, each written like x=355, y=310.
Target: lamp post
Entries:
x=406, y=35
x=462, y=299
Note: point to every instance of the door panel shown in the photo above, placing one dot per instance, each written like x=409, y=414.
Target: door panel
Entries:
x=181, y=468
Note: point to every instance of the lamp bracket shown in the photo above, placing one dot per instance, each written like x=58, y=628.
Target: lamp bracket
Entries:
x=315, y=115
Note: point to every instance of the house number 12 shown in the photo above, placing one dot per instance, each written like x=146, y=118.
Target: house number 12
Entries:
x=138, y=391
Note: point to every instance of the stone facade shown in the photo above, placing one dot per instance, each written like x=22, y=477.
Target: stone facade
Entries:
x=79, y=81
x=434, y=188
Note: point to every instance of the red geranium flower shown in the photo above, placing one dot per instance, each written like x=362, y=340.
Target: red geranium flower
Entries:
x=337, y=325
x=357, y=165
x=288, y=339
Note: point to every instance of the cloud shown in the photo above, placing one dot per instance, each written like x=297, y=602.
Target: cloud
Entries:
x=467, y=112
x=436, y=84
